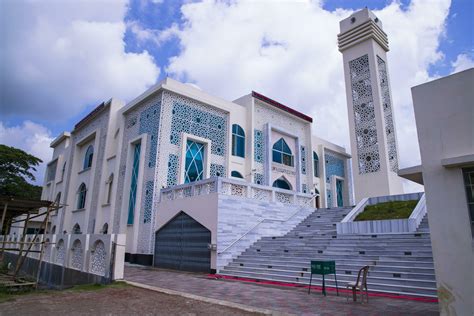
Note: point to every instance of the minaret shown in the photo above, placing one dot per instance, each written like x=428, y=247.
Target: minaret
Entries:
x=364, y=45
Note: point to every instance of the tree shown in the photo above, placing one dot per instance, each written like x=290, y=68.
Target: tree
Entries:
x=16, y=167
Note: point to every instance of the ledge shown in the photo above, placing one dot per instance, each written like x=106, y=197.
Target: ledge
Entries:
x=412, y=173
x=84, y=170
x=78, y=210
x=458, y=161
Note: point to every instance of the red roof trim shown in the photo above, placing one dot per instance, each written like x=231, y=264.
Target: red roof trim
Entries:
x=280, y=106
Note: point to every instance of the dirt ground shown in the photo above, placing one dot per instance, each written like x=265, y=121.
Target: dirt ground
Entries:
x=111, y=300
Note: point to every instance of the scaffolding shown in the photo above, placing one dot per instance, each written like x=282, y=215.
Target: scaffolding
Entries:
x=20, y=210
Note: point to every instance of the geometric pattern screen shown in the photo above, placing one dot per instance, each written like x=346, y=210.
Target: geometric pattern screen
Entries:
x=388, y=116
x=200, y=123
x=364, y=116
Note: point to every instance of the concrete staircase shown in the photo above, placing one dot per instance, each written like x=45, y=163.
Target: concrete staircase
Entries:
x=400, y=263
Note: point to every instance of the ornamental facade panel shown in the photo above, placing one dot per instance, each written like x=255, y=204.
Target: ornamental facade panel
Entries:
x=143, y=120
x=388, y=115
x=364, y=116
x=334, y=166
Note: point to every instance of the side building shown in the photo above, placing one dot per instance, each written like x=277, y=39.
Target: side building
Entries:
x=111, y=170
x=444, y=113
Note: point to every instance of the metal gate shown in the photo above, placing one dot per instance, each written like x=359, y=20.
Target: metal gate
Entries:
x=182, y=244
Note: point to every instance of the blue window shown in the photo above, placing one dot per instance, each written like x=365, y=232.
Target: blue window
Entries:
x=340, y=200
x=81, y=196
x=236, y=174
x=316, y=164
x=238, y=141
x=133, y=184
x=282, y=184
x=194, y=168
x=88, y=157
x=282, y=153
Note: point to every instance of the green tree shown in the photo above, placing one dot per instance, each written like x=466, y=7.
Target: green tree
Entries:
x=16, y=169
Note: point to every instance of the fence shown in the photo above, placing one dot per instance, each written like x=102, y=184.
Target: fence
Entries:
x=97, y=254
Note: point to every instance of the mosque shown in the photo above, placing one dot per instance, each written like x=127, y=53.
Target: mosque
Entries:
x=194, y=181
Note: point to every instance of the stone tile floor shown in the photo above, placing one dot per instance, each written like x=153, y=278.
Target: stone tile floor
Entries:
x=292, y=300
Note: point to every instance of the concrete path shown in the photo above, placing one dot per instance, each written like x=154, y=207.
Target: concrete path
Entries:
x=279, y=299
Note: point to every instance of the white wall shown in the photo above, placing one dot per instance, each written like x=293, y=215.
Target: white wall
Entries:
x=444, y=114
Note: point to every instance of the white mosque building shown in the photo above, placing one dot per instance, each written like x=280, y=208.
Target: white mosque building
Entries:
x=140, y=168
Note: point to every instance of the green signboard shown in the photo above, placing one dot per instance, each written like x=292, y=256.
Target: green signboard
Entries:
x=323, y=267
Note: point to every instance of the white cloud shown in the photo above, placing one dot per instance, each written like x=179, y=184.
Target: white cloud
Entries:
x=462, y=62
x=32, y=138
x=58, y=57
x=288, y=51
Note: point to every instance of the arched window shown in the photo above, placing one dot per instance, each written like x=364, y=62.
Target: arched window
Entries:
x=58, y=198
x=316, y=164
x=109, y=183
x=63, y=171
x=76, y=229
x=282, y=183
x=236, y=174
x=88, y=157
x=282, y=153
x=81, y=196
x=105, y=229
x=238, y=141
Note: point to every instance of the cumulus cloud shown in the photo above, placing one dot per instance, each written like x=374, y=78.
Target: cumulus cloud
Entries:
x=60, y=56
x=288, y=51
x=462, y=62
x=32, y=138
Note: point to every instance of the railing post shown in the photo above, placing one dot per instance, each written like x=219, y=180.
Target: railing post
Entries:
x=248, y=193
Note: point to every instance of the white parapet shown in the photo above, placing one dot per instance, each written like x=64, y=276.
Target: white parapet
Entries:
x=98, y=254
x=349, y=226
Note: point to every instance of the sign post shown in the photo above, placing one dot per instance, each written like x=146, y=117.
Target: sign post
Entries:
x=322, y=268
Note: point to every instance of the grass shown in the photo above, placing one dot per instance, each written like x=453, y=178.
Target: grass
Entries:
x=387, y=210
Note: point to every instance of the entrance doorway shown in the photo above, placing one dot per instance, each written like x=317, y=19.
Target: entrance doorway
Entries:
x=182, y=244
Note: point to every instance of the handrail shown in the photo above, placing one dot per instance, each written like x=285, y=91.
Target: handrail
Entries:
x=263, y=220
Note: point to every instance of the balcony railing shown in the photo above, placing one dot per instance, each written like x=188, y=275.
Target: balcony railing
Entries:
x=238, y=188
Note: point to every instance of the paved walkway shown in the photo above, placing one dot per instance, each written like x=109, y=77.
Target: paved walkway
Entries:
x=280, y=299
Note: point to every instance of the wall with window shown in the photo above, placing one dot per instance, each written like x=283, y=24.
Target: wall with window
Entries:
x=270, y=125
x=333, y=174
x=444, y=115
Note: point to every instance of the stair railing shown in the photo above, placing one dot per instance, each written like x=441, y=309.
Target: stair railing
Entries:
x=260, y=222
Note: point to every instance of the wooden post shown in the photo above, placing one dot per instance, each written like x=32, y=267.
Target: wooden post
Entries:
x=3, y=244
x=3, y=218
x=19, y=261
x=38, y=273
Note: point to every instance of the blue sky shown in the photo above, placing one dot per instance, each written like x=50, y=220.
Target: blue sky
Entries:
x=61, y=59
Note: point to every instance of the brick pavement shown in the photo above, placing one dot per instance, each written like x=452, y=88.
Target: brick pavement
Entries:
x=281, y=299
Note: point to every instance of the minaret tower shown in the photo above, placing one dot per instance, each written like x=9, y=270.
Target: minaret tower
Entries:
x=364, y=45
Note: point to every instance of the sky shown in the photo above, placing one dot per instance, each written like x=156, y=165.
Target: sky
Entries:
x=59, y=59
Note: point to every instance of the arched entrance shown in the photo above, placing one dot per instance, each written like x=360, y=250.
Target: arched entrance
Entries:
x=182, y=244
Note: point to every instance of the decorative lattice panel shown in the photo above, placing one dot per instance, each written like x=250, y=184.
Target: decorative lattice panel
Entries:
x=201, y=123
x=149, y=187
x=217, y=170
x=259, y=155
x=329, y=197
x=172, y=170
x=258, y=178
x=60, y=252
x=304, y=188
x=149, y=124
x=364, y=116
x=97, y=261
x=388, y=116
x=334, y=166
x=303, y=159
x=77, y=255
